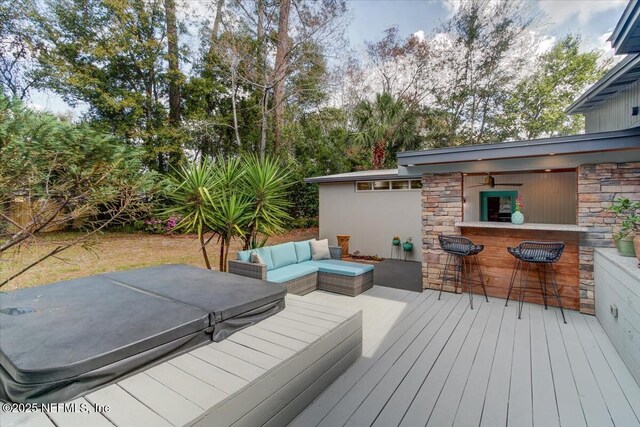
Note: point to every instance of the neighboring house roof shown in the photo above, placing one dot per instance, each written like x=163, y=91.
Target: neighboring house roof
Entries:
x=625, y=38
x=615, y=80
x=600, y=142
x=381, y=174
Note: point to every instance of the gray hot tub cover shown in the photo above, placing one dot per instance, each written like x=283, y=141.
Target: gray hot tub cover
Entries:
x=60, y=341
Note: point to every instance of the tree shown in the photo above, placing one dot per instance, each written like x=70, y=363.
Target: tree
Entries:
x=537, y=106
x=485, y=47
x=386, y=126
x=265, y=184
x=229, y=198
x=110, y=56
x=17, y=44
x=174, y=76
x=66, y=175
x=282, y=50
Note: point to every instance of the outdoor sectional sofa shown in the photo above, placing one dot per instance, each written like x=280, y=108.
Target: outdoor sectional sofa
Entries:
x=291, y=265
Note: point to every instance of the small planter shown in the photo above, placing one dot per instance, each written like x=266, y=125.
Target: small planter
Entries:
x=517, y=218
x=396, y=242
x=407, y=246
x=625, y=246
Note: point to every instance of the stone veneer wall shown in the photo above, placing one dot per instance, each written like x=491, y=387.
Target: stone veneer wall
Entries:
x=598, y=186
x=441, y=209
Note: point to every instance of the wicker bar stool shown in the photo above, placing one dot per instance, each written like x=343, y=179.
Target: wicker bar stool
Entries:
x=542, y=256
x=462, y=264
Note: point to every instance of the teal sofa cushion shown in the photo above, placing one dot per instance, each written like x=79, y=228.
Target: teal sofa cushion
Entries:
x=244, y=256
x=290, y=272
x=264, y=252
x=343, y=268
x=283, y=255
x=303, y=250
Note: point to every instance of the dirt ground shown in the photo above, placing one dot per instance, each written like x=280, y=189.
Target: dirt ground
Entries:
x=116, y=251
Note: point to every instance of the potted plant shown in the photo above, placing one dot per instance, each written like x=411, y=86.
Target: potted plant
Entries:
x=408, y=244
x=629, y=213
x=396, y=241
x=517, y=217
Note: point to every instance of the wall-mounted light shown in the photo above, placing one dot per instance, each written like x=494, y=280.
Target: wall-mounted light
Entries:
x=634, y=111
x=547, y=170
x=552, y=154
x=479, y=160
x=410, y=165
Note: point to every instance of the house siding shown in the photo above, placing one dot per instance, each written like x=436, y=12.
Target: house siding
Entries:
x=371, y=218
x=615, y=112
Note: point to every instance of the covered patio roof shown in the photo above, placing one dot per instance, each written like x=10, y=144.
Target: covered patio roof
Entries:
x=549, y=153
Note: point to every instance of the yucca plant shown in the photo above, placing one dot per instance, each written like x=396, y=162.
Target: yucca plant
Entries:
x=265, y=184
x=190, y=191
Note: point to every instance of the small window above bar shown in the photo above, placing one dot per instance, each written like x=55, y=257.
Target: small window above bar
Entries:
x=388, y=185
x=380, y=185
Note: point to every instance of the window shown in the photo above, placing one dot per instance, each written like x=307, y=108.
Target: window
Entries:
x=399, y=185
x=395, y=185
x=364, y=186
x=380, y=185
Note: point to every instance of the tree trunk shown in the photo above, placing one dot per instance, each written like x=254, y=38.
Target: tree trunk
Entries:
x=234, y=92
x=217, y=21
x=174, y=64
x=262, y=47
x=203, y=247
x=280, y=70
x=221, y=263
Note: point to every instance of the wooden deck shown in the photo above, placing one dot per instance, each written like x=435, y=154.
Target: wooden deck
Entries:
x=438, y=363
x=265, y=374
x=424, y=362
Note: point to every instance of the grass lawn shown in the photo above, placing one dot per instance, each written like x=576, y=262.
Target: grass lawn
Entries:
x=116, y=251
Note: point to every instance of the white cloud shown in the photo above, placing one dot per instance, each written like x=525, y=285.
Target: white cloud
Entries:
x=561, y=11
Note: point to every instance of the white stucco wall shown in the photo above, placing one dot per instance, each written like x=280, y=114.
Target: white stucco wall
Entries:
x=371, y=218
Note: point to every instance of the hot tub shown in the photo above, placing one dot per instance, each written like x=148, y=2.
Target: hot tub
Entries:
x=62, y=340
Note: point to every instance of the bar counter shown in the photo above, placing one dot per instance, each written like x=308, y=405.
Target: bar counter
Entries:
x=497, y=264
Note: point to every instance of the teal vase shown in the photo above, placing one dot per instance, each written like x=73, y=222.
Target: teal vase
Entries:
x=407, y=246
x=517, y=218
x=396, y=242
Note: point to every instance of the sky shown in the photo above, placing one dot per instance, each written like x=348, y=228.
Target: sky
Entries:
x=594, y=19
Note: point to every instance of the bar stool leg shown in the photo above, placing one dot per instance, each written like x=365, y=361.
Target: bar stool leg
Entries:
x=443, y=275
x=522, y=290
x=466, y=277
x=475, y=257
x=554, y=284
x=542, y=278
x=512, y=282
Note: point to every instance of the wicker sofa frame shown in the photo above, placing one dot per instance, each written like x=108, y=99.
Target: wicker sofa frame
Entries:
x=347, y=285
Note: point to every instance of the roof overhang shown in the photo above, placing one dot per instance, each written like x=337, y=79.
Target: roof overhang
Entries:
x=625, y=37
x=626, y=72
x=371, y=175
x=554, y=153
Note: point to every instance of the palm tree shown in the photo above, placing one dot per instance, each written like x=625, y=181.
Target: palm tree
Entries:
x=387, y=126
x=230, y=198
x=190, y=191
x=266, y=185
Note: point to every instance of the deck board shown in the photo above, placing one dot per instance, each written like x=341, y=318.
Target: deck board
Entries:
x=442, y=364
